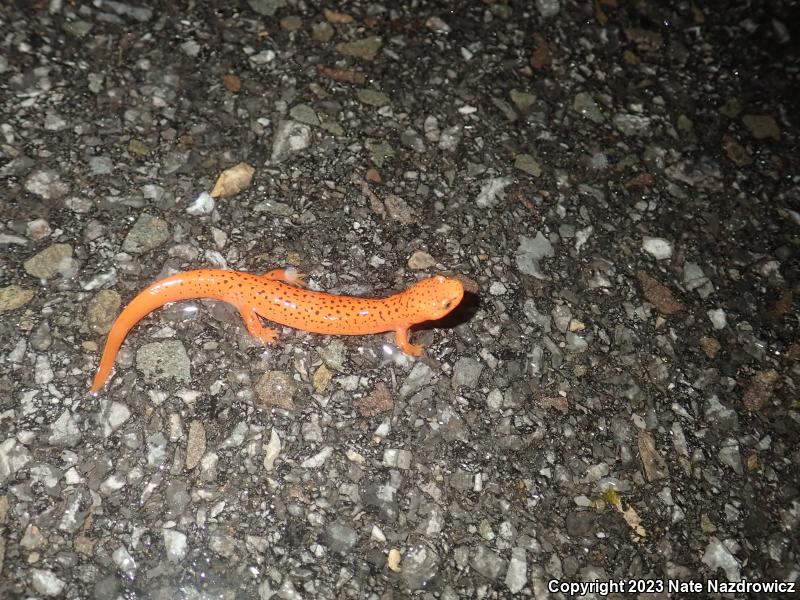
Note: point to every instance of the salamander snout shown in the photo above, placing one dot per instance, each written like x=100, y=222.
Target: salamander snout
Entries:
x=433, y=298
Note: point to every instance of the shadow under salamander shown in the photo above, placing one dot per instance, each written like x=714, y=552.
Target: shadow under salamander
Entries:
x=462, y=313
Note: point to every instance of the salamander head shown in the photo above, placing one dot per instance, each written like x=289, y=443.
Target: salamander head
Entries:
x=433, y=298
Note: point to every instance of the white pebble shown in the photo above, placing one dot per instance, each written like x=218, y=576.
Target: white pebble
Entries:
x=658, y=248
x=718, y=318
x=202, y=205
x=497, y=289
x=46, y=582
x=174, y=544
x=124, y=561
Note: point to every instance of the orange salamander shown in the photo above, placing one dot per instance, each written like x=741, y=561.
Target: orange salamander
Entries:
x=279, y=296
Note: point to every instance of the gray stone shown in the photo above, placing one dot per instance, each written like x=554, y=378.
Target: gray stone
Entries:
x=174, y=544
x=290, y=137
x=341, y=538
x=64, y=431
x=487, y=562
x=420, y=565
x=466, y=372
x=492, y=191
x=516, y=575
x=53, y=260
x=531, y=251
x=163, y=360
x=46, y=583
x=147, y=233
x=46, y=184
x=266, y=8
x=366, y=48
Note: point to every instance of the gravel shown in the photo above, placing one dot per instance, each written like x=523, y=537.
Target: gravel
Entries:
x=615, y=184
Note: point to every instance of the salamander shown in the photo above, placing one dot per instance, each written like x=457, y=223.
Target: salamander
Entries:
x=280, y=297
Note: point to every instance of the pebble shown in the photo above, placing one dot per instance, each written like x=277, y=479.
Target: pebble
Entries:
x=276, y=389
x=399, y=210
x=420, y=564
x=498, y=288
x=585, y=105
x=695, y=279
x=450, y=138
x=266, y=8
x=46, y=583
x=561, y=317
x=318, y=459
x=321, y=379
x=263, y=58
x=379, y=151
x=548, y=8
x=530, y=252
x=291, y=23
x=730, y=456
x=156, y=449
x=420, y=260
x=466, y=372
x=341, y=538
x=64, y=431
x=366, y=48
x=658, y=248
x=528, y=164
x=43, y=373
x=523, y=101
x=54, y=122
x=492, y=191
x=101, y=165
x=102, y=310
x=112, y=416
x=762, y=127
x=46, y=184
x=633, y=125
x=487, y=562
x=163, y=360
x=124, y=561
x=333, y=354
x=322, y=32
x=191, y=48
x=437, y=24
x=718, y=318
x=400, y=459
x=174, y=545
x=147, y=233
x=717, y=556
x=13, y=297
x=271, y=451
x=13, y=457
x=195, y=444
x=290, y=137
x=202, y=205
x=303, y=113
x=53, y=260
x=38, y=229
x=419, y=377
x=372, y=97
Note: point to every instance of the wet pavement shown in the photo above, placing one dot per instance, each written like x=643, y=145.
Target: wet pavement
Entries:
x=615, y=400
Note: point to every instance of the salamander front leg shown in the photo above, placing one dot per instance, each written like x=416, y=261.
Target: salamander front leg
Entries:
x=401, y=339
x=265, y=335
x=289, y=276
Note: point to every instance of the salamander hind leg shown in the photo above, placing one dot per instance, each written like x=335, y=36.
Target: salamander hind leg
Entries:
x=265, y=335
x=401, y=339
x=289, y=276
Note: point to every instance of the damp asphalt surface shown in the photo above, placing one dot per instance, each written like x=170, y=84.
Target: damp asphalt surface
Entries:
x=615, y=400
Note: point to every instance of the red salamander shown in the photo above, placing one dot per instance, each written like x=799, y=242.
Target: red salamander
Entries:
x=278, y=297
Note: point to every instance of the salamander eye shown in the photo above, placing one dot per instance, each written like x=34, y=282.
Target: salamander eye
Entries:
x=447, y=303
